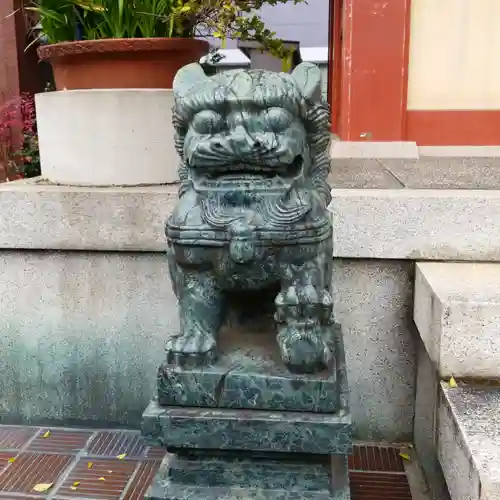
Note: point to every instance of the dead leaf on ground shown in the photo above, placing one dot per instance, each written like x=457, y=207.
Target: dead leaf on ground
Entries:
x=42, y=487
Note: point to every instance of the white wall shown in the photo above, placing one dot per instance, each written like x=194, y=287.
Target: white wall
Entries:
x=454, y=55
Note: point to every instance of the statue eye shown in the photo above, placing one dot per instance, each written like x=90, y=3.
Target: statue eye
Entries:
x=278, y=118
x=208, y=122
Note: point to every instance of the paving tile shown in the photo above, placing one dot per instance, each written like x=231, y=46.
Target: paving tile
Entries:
x=360, y=173
x=14, y=438
x=112, y=444
x=446, y=173
x=376, y=458
x=60, y=441
x=30, y=469
x=379, y=486
x=142, y=480
x=116, y=474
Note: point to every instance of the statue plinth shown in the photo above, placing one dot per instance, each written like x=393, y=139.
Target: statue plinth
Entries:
x=246, y=424
x=248, y=410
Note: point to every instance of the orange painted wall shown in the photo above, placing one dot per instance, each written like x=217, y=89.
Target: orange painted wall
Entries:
x=374, y=69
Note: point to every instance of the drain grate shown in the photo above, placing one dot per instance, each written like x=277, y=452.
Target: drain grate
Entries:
x=376, y=458
x=379, y=486
x=378, y=473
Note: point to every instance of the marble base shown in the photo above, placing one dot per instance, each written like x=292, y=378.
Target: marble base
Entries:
x=246, y=476
x=247, y=430
x=249, y=374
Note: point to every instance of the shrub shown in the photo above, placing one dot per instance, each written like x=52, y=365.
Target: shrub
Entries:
x=19, y=155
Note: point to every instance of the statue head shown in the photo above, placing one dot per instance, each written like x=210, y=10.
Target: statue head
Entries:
x=252, y=130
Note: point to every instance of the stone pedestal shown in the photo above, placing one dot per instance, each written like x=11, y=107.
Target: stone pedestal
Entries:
x=101, y=137
x=248, y=428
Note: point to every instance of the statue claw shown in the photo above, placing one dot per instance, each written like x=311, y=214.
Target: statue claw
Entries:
x=192, y=349
x=302, y=314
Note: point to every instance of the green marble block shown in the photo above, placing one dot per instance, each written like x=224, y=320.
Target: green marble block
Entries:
x=250, y=375
x=247, y=430
x=260, y=478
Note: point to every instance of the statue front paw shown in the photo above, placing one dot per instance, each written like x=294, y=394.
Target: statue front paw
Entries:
x=192, y=348
x=304, y=315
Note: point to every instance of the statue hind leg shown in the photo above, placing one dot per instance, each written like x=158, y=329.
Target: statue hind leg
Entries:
x=200, y=311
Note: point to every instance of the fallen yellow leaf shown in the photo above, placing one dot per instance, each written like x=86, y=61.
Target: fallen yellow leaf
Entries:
x=102, y=479
x=11, y=460
x=42, y=487
x=122, y=456
x=47, y=434
x=90, y=465
x=76, y=483
x=73, y=488
x=404, y=456
x=110, y=471
x=453, y=383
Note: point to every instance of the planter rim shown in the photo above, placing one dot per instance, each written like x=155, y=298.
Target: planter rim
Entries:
x=62, y=49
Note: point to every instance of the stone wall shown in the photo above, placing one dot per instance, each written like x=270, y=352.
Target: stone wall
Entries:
x=87, y=304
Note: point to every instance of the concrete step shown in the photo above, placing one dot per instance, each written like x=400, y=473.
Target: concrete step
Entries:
x=469, y=441
x=457, y=313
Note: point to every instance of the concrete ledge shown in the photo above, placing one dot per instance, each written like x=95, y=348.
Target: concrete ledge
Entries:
x=369, y=149
x=460, y=151
x=469, y=442
x=416, y=224
x=37, y=215
x=457, y=312
x=402, y=224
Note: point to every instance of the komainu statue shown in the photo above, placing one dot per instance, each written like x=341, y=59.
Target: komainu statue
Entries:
x=252, y=209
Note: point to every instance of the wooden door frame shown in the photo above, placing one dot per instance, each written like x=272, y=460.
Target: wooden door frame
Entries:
x=335, y=62
x=369, y=103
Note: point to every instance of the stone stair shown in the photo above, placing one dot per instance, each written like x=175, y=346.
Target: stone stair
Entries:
x=457, y=422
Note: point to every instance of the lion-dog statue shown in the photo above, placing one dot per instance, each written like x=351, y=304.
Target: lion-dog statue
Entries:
x=252, y=209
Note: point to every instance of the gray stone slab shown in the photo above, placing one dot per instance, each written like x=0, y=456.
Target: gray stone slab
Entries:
x=446, y=173
x=425, y=425
x=81, y=334
x=469, y=441
x=457, y=313
x=249, y=374
x=359, y=173
x=250, y=430
x=38, y=215
x=373, y=302
x=416, y=224
x=263, y=478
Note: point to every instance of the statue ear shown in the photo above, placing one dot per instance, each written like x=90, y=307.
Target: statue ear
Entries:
x=308, y=79
x=188, y=76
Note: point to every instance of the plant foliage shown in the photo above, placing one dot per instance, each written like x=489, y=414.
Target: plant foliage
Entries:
x=19, y=155
x=69, y=20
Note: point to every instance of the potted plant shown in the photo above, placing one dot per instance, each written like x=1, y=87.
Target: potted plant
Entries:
x=140, y=43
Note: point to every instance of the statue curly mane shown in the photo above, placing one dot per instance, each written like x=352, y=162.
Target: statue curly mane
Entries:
x=268, y=90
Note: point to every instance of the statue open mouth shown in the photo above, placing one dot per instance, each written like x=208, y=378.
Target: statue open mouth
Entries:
x=251, y=171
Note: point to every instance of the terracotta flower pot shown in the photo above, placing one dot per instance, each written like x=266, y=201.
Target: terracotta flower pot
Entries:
x=121, y=62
